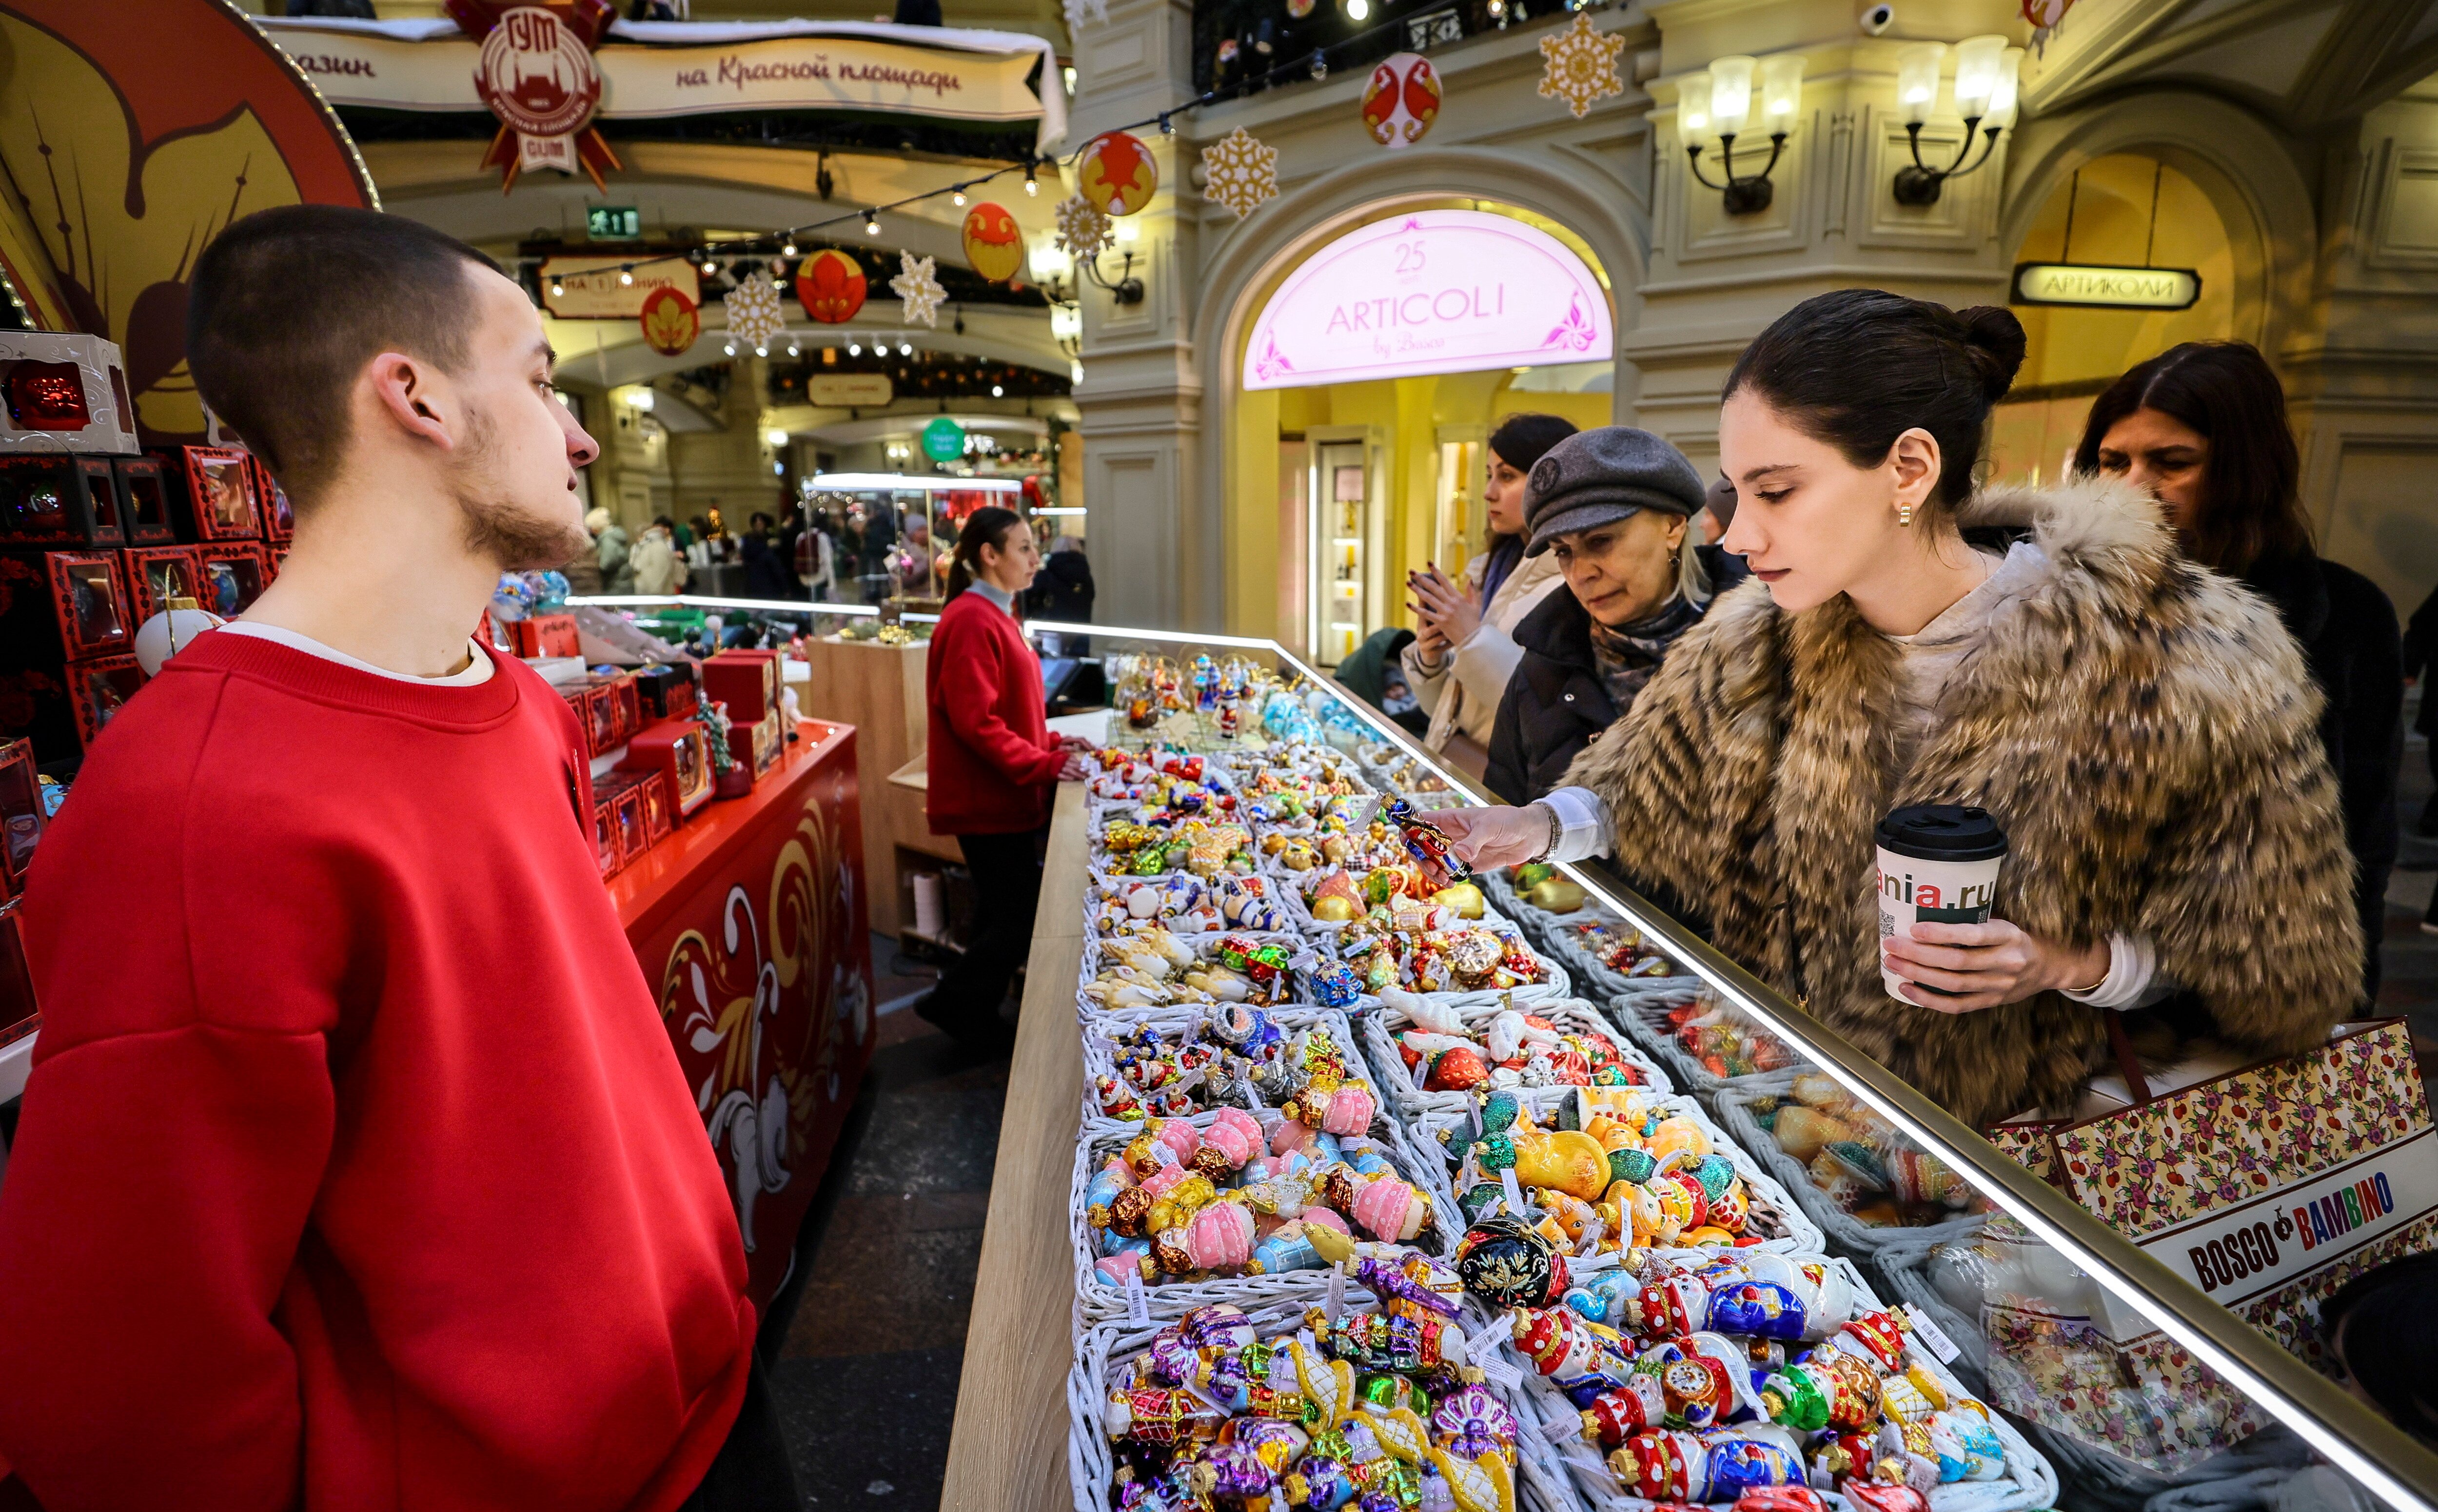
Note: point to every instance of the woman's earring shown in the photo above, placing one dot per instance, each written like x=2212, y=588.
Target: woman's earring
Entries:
x=1904, y=515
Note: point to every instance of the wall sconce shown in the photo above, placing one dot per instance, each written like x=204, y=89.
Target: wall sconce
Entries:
x=1054, y=270
x=1985, y=71
x=1722, y=101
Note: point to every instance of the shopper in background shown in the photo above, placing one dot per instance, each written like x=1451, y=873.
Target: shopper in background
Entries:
x=1612, y=509
x=1064, y=590
x=992, y=767
x=2133, y=723
x=296, y=1215
x=815, y=558
x=766, y=571
x=2201, y=428
x=658, y=567
x=611, y=552
x=1464, y=648
x=583, y=570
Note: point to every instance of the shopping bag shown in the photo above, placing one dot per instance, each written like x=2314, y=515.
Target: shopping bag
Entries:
x=2267, y=1187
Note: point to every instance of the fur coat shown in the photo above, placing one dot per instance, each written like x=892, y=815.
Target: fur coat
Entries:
x=2144, y=731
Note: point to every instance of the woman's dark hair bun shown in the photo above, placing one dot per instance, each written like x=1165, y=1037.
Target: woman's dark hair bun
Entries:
x=1996, y=338
x=1859, y=367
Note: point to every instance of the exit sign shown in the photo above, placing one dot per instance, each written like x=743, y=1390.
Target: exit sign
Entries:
x=613, y=222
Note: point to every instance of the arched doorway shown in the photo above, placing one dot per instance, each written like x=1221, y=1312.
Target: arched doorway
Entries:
x=1369, y=369
x=2124, y=210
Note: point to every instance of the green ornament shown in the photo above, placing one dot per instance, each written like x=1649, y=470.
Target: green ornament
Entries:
x=1498, y=1112
x=1635, y=1165
x=1714, y=1174
x=1494, y=1152
x=1793, y=1399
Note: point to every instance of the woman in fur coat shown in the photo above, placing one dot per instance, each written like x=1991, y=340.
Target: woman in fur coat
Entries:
x=2144, y=730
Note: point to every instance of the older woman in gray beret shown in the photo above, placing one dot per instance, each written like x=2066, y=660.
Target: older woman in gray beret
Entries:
x=1615, y=506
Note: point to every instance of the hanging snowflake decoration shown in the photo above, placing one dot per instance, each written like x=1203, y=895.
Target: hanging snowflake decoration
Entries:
x=919, y=285
x=1239, y=172
x=1083, y=229
x=1080, y=11
x=1579, y=65
x=753, y=313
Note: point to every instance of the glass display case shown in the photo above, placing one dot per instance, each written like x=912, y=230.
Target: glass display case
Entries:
x=2116, y=1368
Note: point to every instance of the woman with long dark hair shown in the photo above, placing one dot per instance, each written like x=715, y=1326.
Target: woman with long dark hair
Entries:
x=2140, y=728
x=993, y=768
x=2201, y=428
x=1464, y=650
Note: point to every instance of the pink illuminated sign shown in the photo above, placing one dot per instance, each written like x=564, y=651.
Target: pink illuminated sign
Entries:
x=1434, y=291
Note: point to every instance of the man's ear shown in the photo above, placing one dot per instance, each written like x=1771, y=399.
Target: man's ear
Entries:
x=406, y=391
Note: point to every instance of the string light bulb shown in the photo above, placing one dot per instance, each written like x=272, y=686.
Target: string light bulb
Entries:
x=625, y=276
x=871, y=223
x=1032, y=185
x=787, y=250
x=709, y=268
x=957, y=198
x=557, y=289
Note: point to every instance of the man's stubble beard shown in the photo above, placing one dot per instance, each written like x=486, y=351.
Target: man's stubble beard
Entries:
x=513, y=538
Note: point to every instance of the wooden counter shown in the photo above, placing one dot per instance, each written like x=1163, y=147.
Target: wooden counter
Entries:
x=1009, y=1447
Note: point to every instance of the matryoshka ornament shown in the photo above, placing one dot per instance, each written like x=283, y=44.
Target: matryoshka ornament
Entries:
x=1116, y=173
x=1402, y=100
x=993, y=245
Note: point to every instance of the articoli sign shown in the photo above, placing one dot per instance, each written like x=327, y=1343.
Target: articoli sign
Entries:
x=1431, y=291
x=2095, y=285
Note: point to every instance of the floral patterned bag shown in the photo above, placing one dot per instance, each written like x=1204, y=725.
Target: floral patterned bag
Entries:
x=2267, y=1187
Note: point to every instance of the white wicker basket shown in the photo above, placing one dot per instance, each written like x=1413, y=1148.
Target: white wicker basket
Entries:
x=1099, y=1302
x=1776, y=1218
x=1107, y=1350
x=1643, y=1016
x=1555, y=980
x=2031, y=1481
x=1846, y=1232
x=1175, y=1024
x=1379, y=1030
x=1206, y=947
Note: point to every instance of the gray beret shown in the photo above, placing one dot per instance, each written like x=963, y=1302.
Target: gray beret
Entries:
x=1601, y=475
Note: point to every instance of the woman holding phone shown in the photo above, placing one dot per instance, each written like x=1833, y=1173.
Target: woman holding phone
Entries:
x=2141, y=731
x=993, y=768
x=1465, y=650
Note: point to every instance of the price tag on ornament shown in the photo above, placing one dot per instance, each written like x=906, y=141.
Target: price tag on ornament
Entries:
x=1423, y=1074
x=1497, y=1369
x=1932, y=1337
x=1562, y=1430
x=1514, y=1192
x=1336, y=1291
x=1601, y=1260
x=1138, y=1304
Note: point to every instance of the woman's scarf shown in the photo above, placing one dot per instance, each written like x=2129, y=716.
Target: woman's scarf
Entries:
x=1628, y=655
x=1505, y=555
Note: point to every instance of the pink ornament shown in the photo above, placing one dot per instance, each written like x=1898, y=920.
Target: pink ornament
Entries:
x=1220, y=1237
x=1290, y=1136
x=1160, y=1181
x=1236, y=1135
x=1319, y=1216
x=1349, y=1111
x=1115, y=1268
x=1391, y=1209
x=1178, y=1136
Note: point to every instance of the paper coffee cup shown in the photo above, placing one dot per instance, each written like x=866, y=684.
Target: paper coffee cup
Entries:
x=1938, y=863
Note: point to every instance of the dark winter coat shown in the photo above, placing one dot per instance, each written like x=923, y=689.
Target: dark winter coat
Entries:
x=2143, y=729
x=769, y=575
x=1062, y=591
x=2347, y=630
x=1555, y=702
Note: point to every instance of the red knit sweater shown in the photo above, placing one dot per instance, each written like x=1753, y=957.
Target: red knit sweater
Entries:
x=993, y=768
x=356, y=1170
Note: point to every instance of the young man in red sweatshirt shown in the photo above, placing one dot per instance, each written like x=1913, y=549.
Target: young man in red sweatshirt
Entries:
x=356, y=1170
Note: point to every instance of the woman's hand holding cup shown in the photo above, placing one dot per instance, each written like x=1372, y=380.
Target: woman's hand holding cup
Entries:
x=1985, y=965
x=1487, y=837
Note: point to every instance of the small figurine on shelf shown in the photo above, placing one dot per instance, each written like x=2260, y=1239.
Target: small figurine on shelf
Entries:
x=1206, y=684
x=731, y=778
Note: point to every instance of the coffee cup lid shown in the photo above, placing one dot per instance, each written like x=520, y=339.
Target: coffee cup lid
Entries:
x=1942, y=831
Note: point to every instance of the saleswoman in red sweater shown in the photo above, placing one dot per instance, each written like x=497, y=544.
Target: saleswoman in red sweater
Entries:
x=992, y=767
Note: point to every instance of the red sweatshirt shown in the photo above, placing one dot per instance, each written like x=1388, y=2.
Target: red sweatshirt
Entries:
x=993, y=768
x=356, y=1170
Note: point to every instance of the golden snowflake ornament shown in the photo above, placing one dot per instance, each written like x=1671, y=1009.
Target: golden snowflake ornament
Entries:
x=918, y=284
x=1083, y=227
x=1239, y=172
x=754, y=312
x=1579, y=65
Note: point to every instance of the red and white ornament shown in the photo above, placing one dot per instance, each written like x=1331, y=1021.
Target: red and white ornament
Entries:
x=1402, y=100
